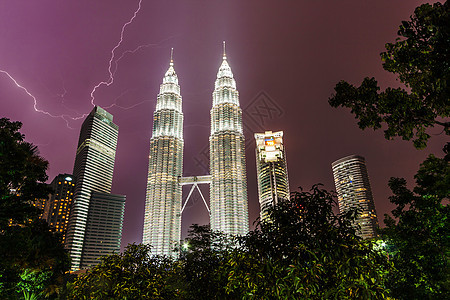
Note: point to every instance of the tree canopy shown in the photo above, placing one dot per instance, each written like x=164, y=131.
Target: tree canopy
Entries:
x=420, y=58
x=33, y=260
x=420, y=240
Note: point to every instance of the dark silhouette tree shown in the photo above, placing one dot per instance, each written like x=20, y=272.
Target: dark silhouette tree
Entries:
x=420, y=59
x=134, y=274
x=33, y=260
x=306, y=251
x=420, y=239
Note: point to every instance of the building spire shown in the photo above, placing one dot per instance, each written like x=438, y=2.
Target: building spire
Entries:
x=224, y=53
x=171, y=56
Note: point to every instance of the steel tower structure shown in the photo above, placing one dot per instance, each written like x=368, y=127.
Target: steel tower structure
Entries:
x=162, y=220
x=228, y=188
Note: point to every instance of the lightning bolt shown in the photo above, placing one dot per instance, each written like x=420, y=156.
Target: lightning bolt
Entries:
x=113, y=53
x=64, y=117
x=112, y=69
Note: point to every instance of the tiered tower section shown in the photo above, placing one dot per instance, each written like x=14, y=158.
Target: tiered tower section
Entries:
x=228, y=189
x=162, y=220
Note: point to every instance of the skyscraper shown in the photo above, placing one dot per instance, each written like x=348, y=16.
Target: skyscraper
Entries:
x=104, y=227
x=60, y=203
x=228, y=188
x=353, y=189
x=93, y=169
x=162, y=219
x=273, y=184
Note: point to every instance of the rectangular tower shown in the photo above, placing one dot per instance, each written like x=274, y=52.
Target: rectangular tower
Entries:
x=60, y=203
x=103, y=227
x=273, y=184
x=353, y=189
x=162, y=219
x=228, y=188
x=93, y=169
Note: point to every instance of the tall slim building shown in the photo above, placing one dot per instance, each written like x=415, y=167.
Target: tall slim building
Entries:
x=228, y=188
x=93, y=169
x=273, y=184
x=60, y=203
x=162, y=219
x=353, y=189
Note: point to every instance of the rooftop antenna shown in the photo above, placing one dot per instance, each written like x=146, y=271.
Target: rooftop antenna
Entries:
x=171, y=56
x=224, y=53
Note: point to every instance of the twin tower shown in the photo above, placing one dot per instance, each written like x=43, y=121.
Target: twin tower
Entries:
x=227, y=179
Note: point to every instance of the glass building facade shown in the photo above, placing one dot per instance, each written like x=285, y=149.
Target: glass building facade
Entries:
x=162, y=218
x=93, y=169
x=353, y=189
x=228, y=188
x=273, y=183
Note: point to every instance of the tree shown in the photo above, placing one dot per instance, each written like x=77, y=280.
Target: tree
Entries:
x=306, y=251
x=203, y=259
x=29, y=252
x=420, y=239
x=135, y=274
x=421, y=60
x=22, y=176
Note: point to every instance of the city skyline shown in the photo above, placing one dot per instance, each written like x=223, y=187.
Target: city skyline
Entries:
x=286, y=65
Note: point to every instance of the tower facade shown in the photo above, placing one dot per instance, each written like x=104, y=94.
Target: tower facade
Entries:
x=353, y=189
x=103, y=227
x=162, y=219
x=273, y=183
x=93, y=169
x=228, y=188
x=60, y=203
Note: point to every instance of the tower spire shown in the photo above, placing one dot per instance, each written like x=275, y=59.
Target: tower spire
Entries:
x=171, y=56
x=224, y=53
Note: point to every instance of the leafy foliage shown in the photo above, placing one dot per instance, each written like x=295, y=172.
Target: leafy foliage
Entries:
x=204, y=257
x=135, y=274
x=28, y=250
x=420, y=239
x=421, y=60
x=306, y=251
x=22, y=176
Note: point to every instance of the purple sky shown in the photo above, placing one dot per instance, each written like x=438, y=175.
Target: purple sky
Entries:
x=286, y=56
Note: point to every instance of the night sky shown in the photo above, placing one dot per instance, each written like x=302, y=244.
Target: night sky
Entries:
x=286, y=57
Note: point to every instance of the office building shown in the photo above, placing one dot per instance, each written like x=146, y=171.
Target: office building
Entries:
x=353, y=189
x=93, y=170
x=228, y=188
x=104, y=223
x=59, y=203
x=273, y=183
x=162, y=216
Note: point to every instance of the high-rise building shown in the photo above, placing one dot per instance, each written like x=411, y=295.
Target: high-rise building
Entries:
x=162, y=218
x=93, y=170
x=228, y=188
x=273, y=184
x=104, y=227
x=60, y=202
x=353, y=189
